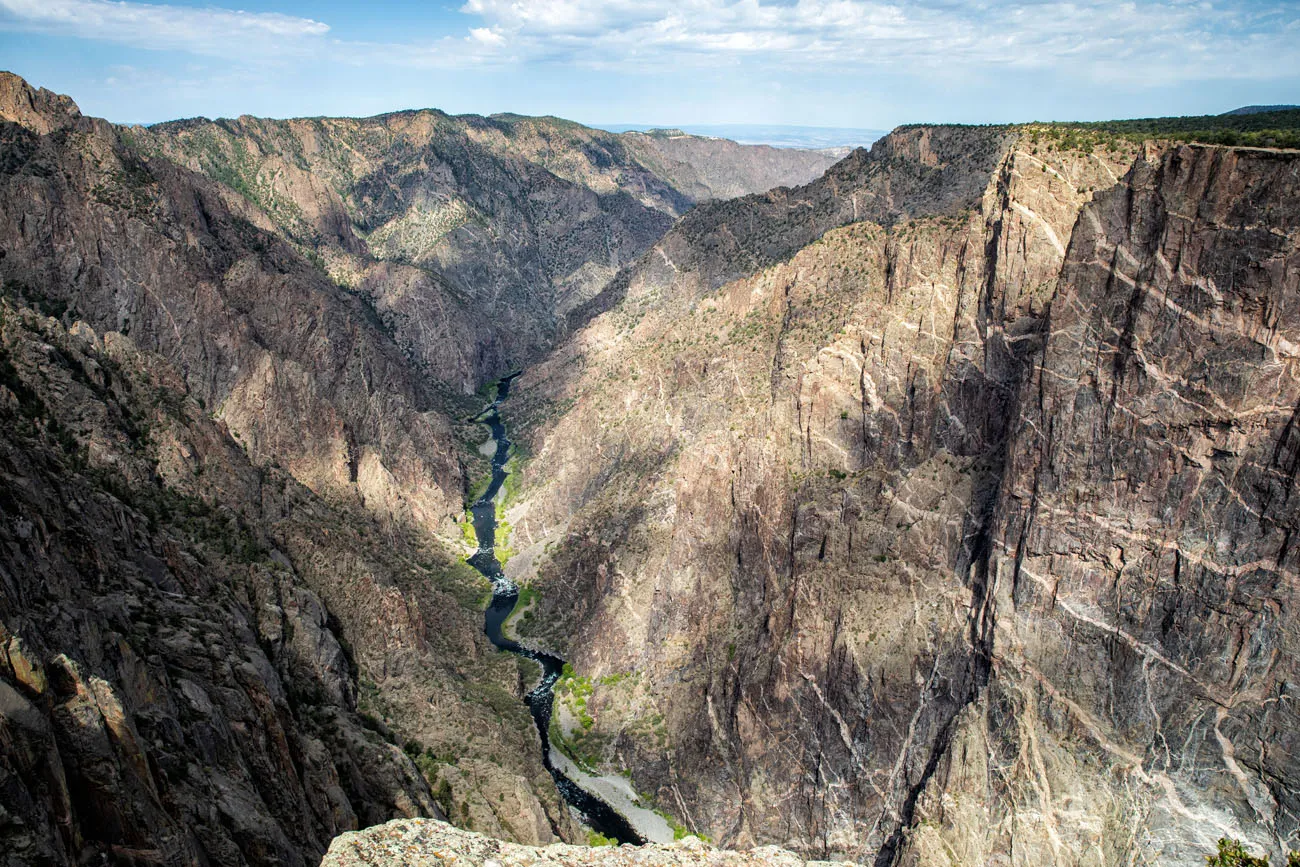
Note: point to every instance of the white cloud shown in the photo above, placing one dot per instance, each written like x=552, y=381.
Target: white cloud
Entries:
x=250, y=37
x=566, y=17
x=1118, y=41
x=487, y=36
x=1148, y=41
x=212, y=31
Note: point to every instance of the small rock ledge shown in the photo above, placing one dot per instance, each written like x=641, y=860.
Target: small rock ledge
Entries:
x=427, y=842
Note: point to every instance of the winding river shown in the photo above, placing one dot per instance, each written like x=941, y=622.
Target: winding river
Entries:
x=595, y=812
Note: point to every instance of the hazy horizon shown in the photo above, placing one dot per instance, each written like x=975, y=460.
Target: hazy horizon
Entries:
x=827, y=64
x=773, y=134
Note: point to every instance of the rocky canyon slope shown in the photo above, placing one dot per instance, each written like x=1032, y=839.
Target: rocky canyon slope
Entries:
x=938, y=512
x=234, y=618
x=224, y=574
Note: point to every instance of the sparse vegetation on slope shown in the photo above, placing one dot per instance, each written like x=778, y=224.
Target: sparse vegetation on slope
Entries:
x=1267, y=129
x=1233, y=854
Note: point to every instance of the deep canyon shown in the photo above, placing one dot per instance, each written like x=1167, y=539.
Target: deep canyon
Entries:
x=924, y=506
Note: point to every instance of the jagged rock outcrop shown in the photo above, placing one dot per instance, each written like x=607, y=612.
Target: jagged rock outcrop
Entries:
x=36, y=108
x=925, y=539
x=417, y=843
x=474, y=237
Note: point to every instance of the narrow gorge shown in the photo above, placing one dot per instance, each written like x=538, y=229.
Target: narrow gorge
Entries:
x=600, y=816
x=925, y=506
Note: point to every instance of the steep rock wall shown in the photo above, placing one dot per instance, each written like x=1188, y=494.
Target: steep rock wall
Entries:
x=781, y=510
x=1140, y=575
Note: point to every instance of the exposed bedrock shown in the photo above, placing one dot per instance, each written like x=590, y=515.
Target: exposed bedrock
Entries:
x=959, y=534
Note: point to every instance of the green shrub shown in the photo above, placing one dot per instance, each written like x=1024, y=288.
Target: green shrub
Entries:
x=595, y=838
x=1233, y=854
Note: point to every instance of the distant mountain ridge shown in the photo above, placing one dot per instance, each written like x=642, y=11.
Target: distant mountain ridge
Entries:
x=1259, y=109
x=489, y=226
x=774, y=135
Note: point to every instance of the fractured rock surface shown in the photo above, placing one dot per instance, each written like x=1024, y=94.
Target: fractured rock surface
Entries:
x=958, y=535
x=424, y=843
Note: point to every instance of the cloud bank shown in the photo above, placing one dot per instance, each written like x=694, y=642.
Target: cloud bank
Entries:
x=209, y=31
x=1142, y=42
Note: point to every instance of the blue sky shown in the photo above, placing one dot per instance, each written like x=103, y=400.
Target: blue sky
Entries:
x=848, y=63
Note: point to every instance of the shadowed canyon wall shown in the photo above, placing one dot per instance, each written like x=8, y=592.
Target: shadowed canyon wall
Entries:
x=235, y=360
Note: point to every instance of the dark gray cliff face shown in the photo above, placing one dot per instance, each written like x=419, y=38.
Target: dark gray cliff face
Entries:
x=171, y=689
x=1141, y=582
x=959, y=533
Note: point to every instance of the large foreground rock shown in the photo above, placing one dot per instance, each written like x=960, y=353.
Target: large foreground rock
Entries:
x=429, y=842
